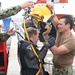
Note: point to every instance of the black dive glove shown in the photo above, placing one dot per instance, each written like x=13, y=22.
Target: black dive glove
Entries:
x=51, y=42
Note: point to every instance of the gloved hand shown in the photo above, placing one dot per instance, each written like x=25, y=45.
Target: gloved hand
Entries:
x=50, y=43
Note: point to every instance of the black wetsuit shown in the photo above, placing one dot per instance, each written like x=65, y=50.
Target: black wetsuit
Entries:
x=28, y=60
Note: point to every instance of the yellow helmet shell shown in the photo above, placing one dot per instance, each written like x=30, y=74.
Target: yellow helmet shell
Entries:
x=42, y=11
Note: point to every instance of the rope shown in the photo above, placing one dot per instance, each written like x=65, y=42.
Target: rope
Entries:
x=27, y=36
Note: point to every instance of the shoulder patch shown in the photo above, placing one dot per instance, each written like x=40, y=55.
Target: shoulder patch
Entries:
x=28, y=47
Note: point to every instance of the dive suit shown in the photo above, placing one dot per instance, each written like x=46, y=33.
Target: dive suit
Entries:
x=28, y=61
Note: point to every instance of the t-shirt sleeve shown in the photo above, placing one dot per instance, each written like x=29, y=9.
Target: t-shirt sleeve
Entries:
x=70, y=45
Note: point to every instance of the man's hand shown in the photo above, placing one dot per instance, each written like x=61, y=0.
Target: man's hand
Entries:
x=27, y=4
x=50, y=5
x=11, y=32
x=48, y=27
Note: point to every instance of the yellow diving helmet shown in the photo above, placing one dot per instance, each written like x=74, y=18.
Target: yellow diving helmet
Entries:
x=40, y=14
x=42, y=11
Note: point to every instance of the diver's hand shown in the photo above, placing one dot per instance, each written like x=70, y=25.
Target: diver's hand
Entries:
x=50, y=43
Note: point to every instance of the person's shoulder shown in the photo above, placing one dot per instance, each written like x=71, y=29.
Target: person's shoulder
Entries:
x=24, y=42
x=72, y=37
